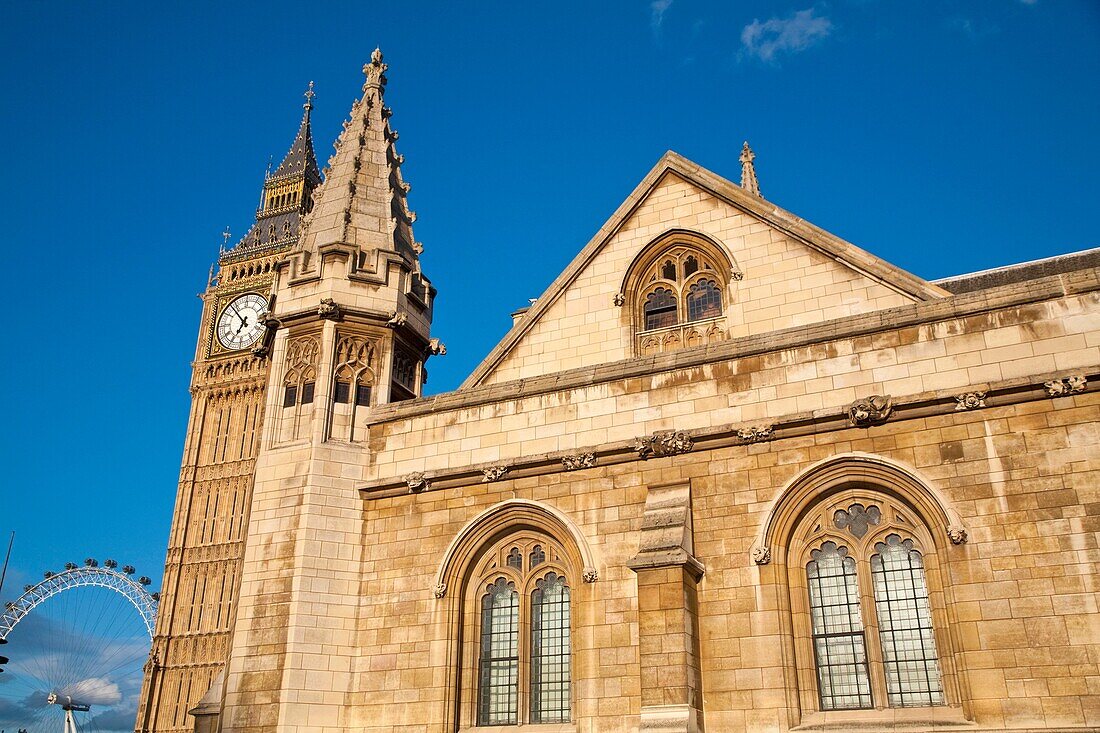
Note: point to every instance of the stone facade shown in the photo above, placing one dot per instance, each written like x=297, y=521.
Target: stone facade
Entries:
x=686, y=497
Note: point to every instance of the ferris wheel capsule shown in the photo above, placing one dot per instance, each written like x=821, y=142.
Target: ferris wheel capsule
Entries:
x=91, y=562
x=70, y=566
x=111, y=564
x=128, y=569
x=48, y=574
x=144, y=580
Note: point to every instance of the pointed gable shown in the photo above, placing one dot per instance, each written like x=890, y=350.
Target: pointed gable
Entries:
x=783, y=272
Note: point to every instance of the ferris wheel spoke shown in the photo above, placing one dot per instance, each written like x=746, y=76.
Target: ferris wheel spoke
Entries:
x=78, y=635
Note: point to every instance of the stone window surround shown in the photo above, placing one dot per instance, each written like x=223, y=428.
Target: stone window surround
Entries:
x=643, y=276
x=457, y=579
x=485, y=573
x=801, y=519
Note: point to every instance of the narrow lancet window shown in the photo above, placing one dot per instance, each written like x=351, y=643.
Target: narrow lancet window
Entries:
x=837, y=627
x=905, y=625
x=499, y=660
x=550, y=651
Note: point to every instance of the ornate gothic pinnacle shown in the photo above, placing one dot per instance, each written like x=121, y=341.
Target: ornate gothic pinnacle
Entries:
x=748, y=170
x=309, y=97
x=375, y=71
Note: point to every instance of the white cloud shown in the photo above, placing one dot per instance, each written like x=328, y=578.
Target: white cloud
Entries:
x=657, y=10
x=93, y=691
x=775, y=36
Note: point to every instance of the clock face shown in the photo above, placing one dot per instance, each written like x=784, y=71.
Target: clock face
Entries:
x=239, y=324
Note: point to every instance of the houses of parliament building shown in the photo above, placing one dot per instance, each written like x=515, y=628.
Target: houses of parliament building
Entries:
x=729, y=472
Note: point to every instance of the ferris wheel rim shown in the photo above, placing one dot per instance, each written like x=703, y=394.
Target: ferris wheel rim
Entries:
x=82, y=577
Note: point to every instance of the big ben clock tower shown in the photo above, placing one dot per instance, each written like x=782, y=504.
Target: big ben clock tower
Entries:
x=228, y=384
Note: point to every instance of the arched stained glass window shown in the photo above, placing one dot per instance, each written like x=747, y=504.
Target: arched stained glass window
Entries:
x=837, y=628
x=499, y=660
x=660, y=309
x=905, y=625
x=704, y=300
x=550, y=651
x=668, y=270
x=521, y=618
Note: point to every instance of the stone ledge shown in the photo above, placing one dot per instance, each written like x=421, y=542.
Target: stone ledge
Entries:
x=923, y=313
x=920, y=405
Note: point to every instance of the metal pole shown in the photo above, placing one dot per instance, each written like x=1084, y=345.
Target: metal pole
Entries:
x=4, y=572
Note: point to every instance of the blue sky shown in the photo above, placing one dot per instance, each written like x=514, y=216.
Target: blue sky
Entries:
x=943, y=136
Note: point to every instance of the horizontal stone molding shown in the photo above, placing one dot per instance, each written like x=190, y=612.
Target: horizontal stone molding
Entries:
x=889, y=319
x=913, y=407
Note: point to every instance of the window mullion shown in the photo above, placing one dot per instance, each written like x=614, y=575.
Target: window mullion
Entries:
x=871, y=630
x=523, y=695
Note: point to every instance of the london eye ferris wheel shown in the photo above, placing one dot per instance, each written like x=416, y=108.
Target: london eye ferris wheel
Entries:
x=77, y=641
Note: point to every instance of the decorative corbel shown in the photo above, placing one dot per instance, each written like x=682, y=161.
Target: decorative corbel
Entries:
x=417, y=482
x=970, y=401
x=873, y=410
x=660, y=444
x=329, y=310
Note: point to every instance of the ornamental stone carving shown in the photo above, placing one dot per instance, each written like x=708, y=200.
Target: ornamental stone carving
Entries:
x=439, y=590
x=494, y=473
x=755, y=434
x=957, y=535
x=857, y=519
x=970, y=400
x=590, y=575
x=737, y=276
x=1067, y=386
x=662, y=444
x=329, y=309
x=761, y=555
x=397, y=320
x=417, y=482
x=437, y=348
x=873, y=410
x=578, y=461
x=619, y=300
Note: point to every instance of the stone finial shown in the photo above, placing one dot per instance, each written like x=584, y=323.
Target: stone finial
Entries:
x=375, y=71
x=309, y=95
x=748, y=170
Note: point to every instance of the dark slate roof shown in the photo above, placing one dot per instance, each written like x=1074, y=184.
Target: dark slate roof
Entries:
x=300, y=158
x=1083, y=260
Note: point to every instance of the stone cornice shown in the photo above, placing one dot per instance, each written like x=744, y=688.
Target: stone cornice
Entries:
x=890, y=319
x=912, y=407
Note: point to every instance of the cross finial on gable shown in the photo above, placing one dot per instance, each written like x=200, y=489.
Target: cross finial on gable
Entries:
x=309, y=97
x=748, y=170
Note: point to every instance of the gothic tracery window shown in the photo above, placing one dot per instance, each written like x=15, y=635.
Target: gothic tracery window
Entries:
x=522, y=608
x=353, y=380
x=866, y=605
x=299, y=383
x=678, y=293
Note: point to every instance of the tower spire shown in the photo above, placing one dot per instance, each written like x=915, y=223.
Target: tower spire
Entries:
x=362, y=203
x=288, y=191
x=748, y=170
